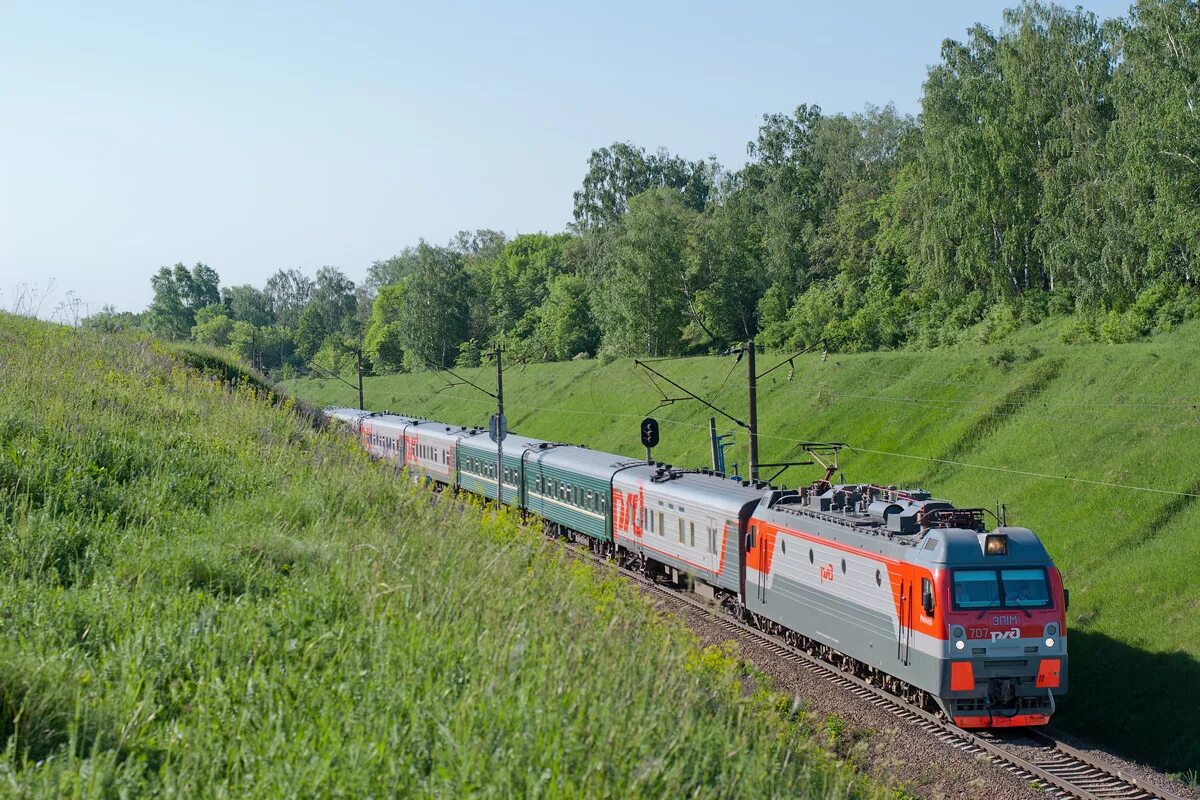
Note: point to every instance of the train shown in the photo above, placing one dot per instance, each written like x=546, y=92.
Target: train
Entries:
x=895, y=586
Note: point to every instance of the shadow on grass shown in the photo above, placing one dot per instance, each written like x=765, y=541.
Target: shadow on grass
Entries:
x=1139, y=704
x=231, y=372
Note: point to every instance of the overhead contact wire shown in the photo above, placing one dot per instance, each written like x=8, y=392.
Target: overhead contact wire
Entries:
x=910, y=456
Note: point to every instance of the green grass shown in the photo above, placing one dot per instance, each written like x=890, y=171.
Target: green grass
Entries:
x=1113, y=414
x=203, y=595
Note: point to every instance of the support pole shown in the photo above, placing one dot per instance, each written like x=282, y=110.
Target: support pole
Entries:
x=499, y=433
x=358, y=355
x=753, y=423
x=714, y=445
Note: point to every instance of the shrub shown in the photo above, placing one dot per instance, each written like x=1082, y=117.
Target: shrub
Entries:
x=1061, y=301
x=998, y=322
x=1033, y=306
x=1080, y=329
x=1119, y=328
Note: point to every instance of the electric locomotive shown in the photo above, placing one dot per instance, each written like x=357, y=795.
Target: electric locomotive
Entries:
x=915, y=595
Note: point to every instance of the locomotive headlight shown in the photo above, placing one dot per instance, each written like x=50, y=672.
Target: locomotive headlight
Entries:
x=959, y=634
x=1050, y=631
x=1049, y=641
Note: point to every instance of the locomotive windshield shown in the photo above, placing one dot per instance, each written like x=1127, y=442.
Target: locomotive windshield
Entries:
x=1001, y=588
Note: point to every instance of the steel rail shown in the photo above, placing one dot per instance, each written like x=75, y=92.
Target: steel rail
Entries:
x=1059, y=769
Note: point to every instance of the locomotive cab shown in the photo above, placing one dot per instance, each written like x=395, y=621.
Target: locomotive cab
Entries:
x=1004, y=615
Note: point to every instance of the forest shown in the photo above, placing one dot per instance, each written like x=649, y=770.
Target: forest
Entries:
x=1054, y=169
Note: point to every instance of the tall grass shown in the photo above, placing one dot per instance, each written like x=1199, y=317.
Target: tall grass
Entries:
x=1113, y=414
x=203, y=595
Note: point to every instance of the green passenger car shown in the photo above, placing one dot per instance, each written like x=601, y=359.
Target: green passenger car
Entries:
x=477, y=466
x=573, y=487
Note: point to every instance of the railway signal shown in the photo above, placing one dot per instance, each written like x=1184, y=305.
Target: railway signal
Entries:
x=649, y=435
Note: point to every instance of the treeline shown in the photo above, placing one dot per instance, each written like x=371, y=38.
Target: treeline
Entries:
x=1054, y=169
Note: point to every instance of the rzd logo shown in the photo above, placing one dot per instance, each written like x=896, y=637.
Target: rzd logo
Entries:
x=627, y=510
x=1011, y=633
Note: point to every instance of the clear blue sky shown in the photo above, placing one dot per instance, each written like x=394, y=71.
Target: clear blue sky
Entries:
x=254, y=136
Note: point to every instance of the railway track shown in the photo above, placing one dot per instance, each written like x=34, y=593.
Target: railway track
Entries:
x=1029, y=754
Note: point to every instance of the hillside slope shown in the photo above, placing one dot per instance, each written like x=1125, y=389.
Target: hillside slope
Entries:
x=203, y=596
x=974, y=425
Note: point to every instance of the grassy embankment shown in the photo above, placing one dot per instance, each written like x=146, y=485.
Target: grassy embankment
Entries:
x=202, y=595
x=1125, y=414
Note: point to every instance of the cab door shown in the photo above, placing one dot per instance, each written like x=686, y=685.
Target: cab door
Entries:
x=712, y=546
x=904, y=631
x=756, y=559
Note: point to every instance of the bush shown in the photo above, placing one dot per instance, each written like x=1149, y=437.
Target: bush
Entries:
x=814, y=316
x=1061, y=302
x=1183, y=304
x=966, y=311
x=1002, y=358
x=1119, y=328
x=470, y=354
x=1081, y=329
x=1033, y=306
x=998, y=322
x=1007, y=356
x=384, y=347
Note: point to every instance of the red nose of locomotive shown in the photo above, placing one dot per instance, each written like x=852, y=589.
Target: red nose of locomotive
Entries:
x=1006, y=650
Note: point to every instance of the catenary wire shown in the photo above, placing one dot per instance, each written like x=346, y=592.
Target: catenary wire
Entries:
x=911, y=456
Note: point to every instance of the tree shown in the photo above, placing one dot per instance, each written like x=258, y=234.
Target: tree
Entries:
x=275, y=345
x=310, y=333
x=782, y=179
x=483, y=243
x=109, y=320
x=565, y=324
x=248, y=304
x=391, y=271
x=331, y=314
x=479, y=249
x=1155, y=144
x=214, y=331
x=1013, y=124
x=288, y=292
x=723, y=262
x=433, y=308
x=520, y=275
x=246, y=340
x=167, y=316
x=383, y=344
x=641, y=298
x=210, y=311
x=178, y=294
x=334, y=298
x=621, y=171
x=199, y=286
